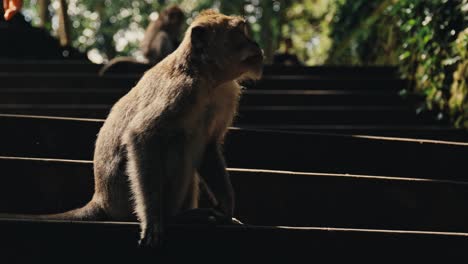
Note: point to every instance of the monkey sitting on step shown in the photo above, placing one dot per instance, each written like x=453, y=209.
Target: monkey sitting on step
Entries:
x=166, y=134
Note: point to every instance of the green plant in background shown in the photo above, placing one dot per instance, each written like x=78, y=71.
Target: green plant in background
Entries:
x=361, y=33
x=306, y=22
x=428, y=30
x=425, y=38
x=420, y=36
x=105, y=29
x=458, y=102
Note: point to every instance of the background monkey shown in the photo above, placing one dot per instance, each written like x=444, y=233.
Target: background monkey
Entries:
x=161, y=39
x=162, y=35
x=166, y=133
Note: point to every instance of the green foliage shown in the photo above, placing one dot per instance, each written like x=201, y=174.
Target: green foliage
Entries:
x=109, y=28
x=418, y=35
x=426, y=38
x=362, y=34
x=306, y=22
x=106, y=28
x=458, y=102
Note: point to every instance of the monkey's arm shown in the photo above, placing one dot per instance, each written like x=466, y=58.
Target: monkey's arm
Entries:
x=152, y=159
x=146, y=186
x=148, y=38
x=164, y=44
x=161, y=46
x=214, y=173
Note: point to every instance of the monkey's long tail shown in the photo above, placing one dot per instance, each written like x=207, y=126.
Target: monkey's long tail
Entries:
x=92, y=211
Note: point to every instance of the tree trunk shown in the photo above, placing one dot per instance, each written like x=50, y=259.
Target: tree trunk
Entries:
x=64, y=24
x=267, y=33
x=109, y=48
x=43, y=12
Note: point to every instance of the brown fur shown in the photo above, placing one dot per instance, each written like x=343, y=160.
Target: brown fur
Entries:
x=165, y=135
x=160, y=134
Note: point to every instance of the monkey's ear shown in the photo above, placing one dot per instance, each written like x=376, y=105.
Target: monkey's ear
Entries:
x=198, y=36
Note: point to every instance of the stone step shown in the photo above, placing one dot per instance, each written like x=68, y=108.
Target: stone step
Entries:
x=434, y=132
x=353, y=154
x=339, y=72
x=85, y=67
x=279, y=82
x=59, y=242
x=330, y=115
x=264, y=197
x=45, y=66
x=75, y=80
x=253, y=114
x=261, y=149
x=249, y=97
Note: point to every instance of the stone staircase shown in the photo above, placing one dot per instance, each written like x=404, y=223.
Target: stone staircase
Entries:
x=329, y=165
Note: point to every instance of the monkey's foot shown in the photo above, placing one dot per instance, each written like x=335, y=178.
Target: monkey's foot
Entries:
x=151, y=237
x=204, y=216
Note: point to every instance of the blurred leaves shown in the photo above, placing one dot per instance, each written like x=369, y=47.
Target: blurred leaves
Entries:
x=426, y=38
x=458, y=101
x=115, y=28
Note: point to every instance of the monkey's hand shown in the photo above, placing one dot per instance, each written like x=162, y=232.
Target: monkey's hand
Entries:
x=205, y=216
x=225, y=219
x=231, y=221
x=236, y=221
x=151, y=236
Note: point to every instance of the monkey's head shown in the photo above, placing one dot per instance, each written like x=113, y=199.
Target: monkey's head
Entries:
x=172, y=18
x=222, y=44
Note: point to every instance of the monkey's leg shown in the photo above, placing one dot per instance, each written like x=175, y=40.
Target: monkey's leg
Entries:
x=214, y=173
x=193, y=194
x=153, y=163
x=181, y=186
x=145, y=172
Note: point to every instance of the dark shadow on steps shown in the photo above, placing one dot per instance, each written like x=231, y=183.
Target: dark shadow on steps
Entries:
x=264, y=197
x=66, y=242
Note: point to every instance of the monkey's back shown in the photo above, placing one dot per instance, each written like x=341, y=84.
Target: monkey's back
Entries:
x=112, y=189
x=111, y=183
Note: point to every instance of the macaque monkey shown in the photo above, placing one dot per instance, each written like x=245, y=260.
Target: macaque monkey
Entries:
x=161, y=39
x=165, y=134
x=162, y=35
